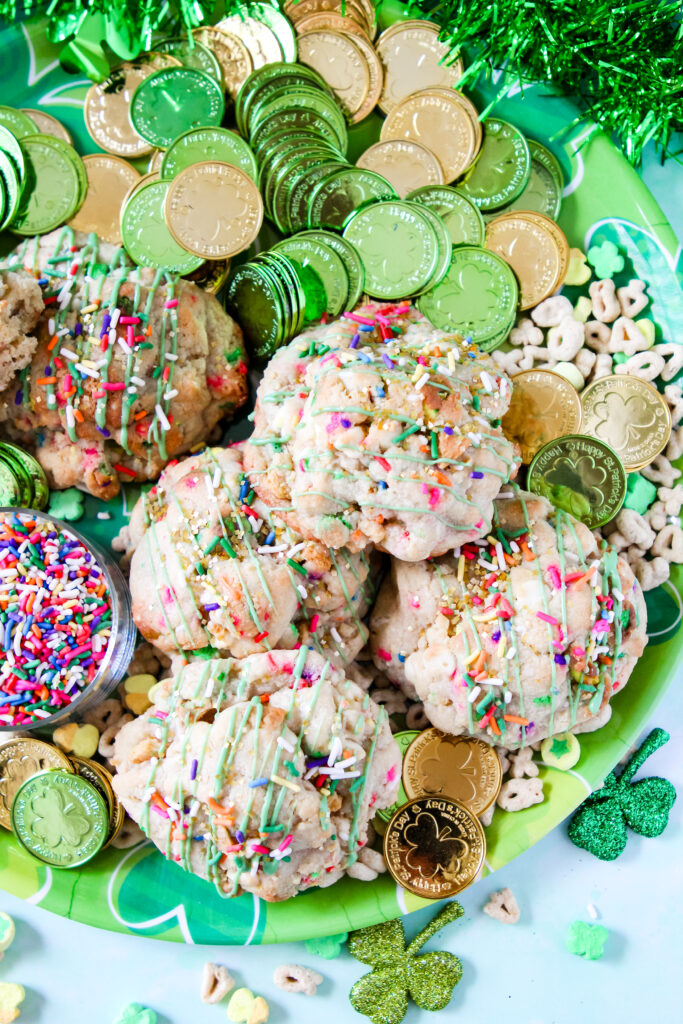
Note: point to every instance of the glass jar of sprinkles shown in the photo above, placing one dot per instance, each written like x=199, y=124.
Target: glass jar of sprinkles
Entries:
x=66, y=628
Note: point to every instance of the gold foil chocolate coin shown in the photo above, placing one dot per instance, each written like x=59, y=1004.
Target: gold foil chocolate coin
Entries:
x=49, y=125
x=340, y=63
x=376, y=77
x=20, y=759
x=109, y=180
x=628, y=414
x=531, y=249
x=463, y=768
x=405, y=164
x=439, y=122
x=543, y=406
x=230, y=52
x=414, y=60
x=213, y=210
x=434, y=847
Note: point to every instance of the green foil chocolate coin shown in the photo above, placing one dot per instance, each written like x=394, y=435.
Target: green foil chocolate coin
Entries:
x=52, y=189
x=328, y=266
x=192, y=54
x=501, y=170
x=337, y=196
x=444, y=244
x=303, y=286
x=39, y=484
x=254, y=302
x=476, y=298
x=300, y=190
x=19, y=123
x=404, y=739
x=215, y=144
x=60, y=818
x=543, y=191
x=286, y=294
x=174, y=100
x=462, y=218
x=272, y=78
x=10, y=487
x=307, y=98
x=349, y=257
x=9, y=144
x=579, y=475
x=146, y=237
x=280, y=25
x=291, y=121
x=11, y=188
x=280, y=182
x=75, y=158
x=398, y=248
x=24, y=484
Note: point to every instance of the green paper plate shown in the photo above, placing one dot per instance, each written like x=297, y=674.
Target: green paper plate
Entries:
x=137, y=891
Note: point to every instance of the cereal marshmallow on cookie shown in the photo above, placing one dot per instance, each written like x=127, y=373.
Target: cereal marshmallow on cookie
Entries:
x=379, y=429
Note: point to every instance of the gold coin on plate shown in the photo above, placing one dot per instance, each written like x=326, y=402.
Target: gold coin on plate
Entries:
x=440, y=123
x=434, y=847
x=154, y=162
x=412, y=56
x=107, y=103
x=329, y=20
x=463, y=768
x=532, y=252
x=230, y=52
x=405, y=164
x=301, y=9
x=559, y=237
x=376, y=74
x=211, y=276
x=630, y=416
x=213, y=210
x=98, y=776
x=341, y=63
x=470, y=110
x=20, y=759
x=543, y=406
x=260, y=40
x=109, y=180
x=49, y=125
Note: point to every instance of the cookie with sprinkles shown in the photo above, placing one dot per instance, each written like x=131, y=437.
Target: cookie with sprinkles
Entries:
x=213, y=567
x=132, y=367
x=261, y=775
x=378, y=428
x=523, y=634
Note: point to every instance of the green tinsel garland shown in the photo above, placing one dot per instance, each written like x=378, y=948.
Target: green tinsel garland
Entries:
x=624, y=62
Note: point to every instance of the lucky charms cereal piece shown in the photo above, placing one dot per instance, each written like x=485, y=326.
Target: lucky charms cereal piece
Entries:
x=571, y=373
x=295, y=978
x=327, y=946
x=77, y=739
x=502, y=906
x=561, y=751
x=6, y=932
x=640, y=493
x=245, y=1008
x=606, y=259
x=586, y=940
x=578, y=271
x=582, y=309
x=11, y=994
x=136, y=1013
x=67, y=504
x=216, y=983
x=136, y=692
x=632, y=298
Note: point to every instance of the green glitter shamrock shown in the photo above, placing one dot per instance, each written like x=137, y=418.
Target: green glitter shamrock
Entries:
x=397, y=972
x=599, y=825
x=66, y=504
x=605, y=259
x=586, y=940
x=327, y=946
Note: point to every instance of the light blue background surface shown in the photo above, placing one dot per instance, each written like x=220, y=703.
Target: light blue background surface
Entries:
x=519, y=974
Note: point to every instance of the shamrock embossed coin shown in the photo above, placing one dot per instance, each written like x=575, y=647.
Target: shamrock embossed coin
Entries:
x=213, y=210
x=404, y=740
x=543, y=406
x=434, y=847
x=580, y=475
x=502, y=170
x=461, y=767
x=630, y=415
x=19, y=760
x=60, y=818
x=398, y=246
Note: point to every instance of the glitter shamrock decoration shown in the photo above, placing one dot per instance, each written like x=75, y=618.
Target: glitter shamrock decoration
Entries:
x=605, y=259
x=599, y=825
x=397, y=971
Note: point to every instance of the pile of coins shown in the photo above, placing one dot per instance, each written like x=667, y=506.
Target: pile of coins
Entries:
x=63, y=810
x=434, y=843
x=23, y=483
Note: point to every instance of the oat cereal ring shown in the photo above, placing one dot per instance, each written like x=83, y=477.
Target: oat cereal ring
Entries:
x=106, y=744
x=295, y=978
x=660, y=471
x=391, y=699
x=674, y=449
x=584, y=362
x=673, y=353
x=650, y=574
x=632, y=298
x=597, y=335
x=603, y=366
x=518, y=794
x=606, y=306
x=633, y=527
x=504, y=758
x=372, y=859
x=525, y=333
x=130, y=835
x=509, y=362
x=672, y=498
x=627, y=337
x=522, y=764
x=416, y=718
x=669, y=543
x=216, y=983
x=105, y=715
x=646, y=365
x=502, y=906
x=486, y=817
x=551, y=312
x=361, y=872
x=674, y=397
x=656, y=516
x=566, y=340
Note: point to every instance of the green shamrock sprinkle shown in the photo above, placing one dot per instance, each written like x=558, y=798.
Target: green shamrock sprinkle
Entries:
x=327, y=946
x=66, y=504
x=599, y=825
x=429, y=979
x=605, y=259
x=586, y=940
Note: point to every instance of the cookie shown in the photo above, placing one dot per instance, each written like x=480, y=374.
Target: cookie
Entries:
x=21, y=303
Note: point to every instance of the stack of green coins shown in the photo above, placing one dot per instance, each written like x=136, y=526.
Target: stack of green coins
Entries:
x=42, y=177
x=22, y=480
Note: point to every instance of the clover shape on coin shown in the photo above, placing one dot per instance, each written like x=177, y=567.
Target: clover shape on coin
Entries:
x=622, y=420
x=432, y=849
x=398, y=972
x=454, y=761
x=577, y=484
x=599, y=825
x=605, y=259
x=456, y=292
x=56, y=819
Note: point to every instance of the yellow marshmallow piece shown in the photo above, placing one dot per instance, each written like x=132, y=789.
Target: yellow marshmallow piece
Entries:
x=583, y=309
x=647, y=329
x=11, y=995
x=240, y=1005
x=136, y=692
x=578, y=271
